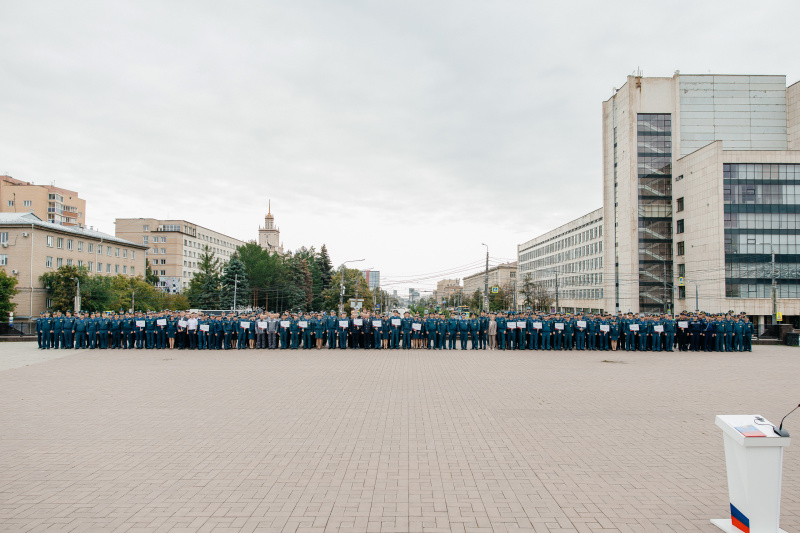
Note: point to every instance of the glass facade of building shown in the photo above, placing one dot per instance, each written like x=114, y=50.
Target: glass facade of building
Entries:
x=654, y=169
x=762, y=216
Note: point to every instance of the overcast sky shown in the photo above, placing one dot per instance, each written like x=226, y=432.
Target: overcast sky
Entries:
x=405, y=133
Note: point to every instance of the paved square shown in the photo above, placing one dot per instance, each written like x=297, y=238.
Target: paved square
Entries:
x=380, y=441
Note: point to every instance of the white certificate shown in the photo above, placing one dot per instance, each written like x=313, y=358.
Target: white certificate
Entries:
x=284, y=323
x=416, y=327
x=559, y=326
x=377, y=323
x=204, y=327
x=658, y=329
x=303, y=323
x=395, y=321
x=161, y=322
x=244, y=325
x=521, y=325
x=511, y=325
x=634, y=327
x=140, y=323
x=344, y=324
x=359, y=322
x=605, y=327
x=262, y=325
x=683, y=324
x=581, y=323
x=537, y=325
x=182, y=323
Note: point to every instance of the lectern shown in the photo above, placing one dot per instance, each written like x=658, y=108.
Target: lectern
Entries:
x=754, y=461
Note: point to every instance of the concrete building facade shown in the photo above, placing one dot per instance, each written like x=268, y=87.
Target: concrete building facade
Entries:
x=446, y=288
x=568, y=262
x=503, y=276
x=30, y=247
x=53, y=204
x=687, y=160
x=175, y=247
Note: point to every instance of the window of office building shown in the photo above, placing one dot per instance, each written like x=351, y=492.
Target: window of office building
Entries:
x=681, y=248
x=91, y=248
x=60, y=242
x=762, y=217
x=682, y=292
x=654, y=173
x=3, y=259
x=99, y=267
x=679, y=226
x=145, y=227
x=145, y=240
x=3, y=237
x=682, y=270
x=27, y=203
x=48, y=262
x=679, y=204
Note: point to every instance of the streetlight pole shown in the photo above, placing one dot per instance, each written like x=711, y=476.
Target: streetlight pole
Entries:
x=486, y=281
x=341, y=285
x=78, y=296
x=133, y=301
x=235, y=286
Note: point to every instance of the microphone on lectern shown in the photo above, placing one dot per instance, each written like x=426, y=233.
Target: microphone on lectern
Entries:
x=780, y=431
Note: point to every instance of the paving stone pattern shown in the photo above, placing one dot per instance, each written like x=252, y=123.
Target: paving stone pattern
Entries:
x=389, y=441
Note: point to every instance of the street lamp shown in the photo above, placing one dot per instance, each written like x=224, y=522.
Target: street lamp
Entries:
x=486, y=281
x=341, y=285
x=78, y=296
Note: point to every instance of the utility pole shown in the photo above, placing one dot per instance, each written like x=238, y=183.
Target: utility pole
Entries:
x=235, y=286
x=133, y=301
x=486, y=282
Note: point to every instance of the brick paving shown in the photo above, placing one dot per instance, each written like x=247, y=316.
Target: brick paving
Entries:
x=152, y=441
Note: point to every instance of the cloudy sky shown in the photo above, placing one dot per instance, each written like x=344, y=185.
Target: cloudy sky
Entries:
x=405, y=133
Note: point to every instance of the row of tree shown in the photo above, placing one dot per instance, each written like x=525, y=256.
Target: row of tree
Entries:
x=303, y=280
x=107, y=293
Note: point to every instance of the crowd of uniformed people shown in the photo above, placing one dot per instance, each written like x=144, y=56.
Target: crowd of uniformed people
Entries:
x=364, y=330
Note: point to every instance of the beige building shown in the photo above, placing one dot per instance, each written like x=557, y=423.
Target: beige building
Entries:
x=568, y=262
x=269, y=237
x=30, y=247
x=446, y=288
x=53, y=204
x=698, y=188
x=503, y=276
x=174, y=247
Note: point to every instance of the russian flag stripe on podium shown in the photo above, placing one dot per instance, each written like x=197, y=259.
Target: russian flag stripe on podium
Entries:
x=739, y=520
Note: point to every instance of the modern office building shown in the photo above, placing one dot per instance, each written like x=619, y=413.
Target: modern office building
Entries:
x=503, y=276
x=48, y=202
x=699, y=183
x=174, y=247
x=373, y=278
x=568, y=263
x=30, y=247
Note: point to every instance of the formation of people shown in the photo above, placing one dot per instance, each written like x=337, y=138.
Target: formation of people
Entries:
x=494, y=331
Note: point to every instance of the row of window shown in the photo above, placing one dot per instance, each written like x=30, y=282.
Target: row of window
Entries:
x=59, y=243
x=582, y=294
x=760, y=171
x=561, y=257
x=146, y=239
x=59, y=262
x=566, y=268
x=25, y=203
x=189, y=231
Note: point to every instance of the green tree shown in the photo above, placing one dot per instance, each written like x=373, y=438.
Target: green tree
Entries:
x=204, y=288
x=234, y=284
x=62, y=287
x=265, y=274
x=536, y=295
x=476, y=301
x=325, y=268
x=8, y=289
